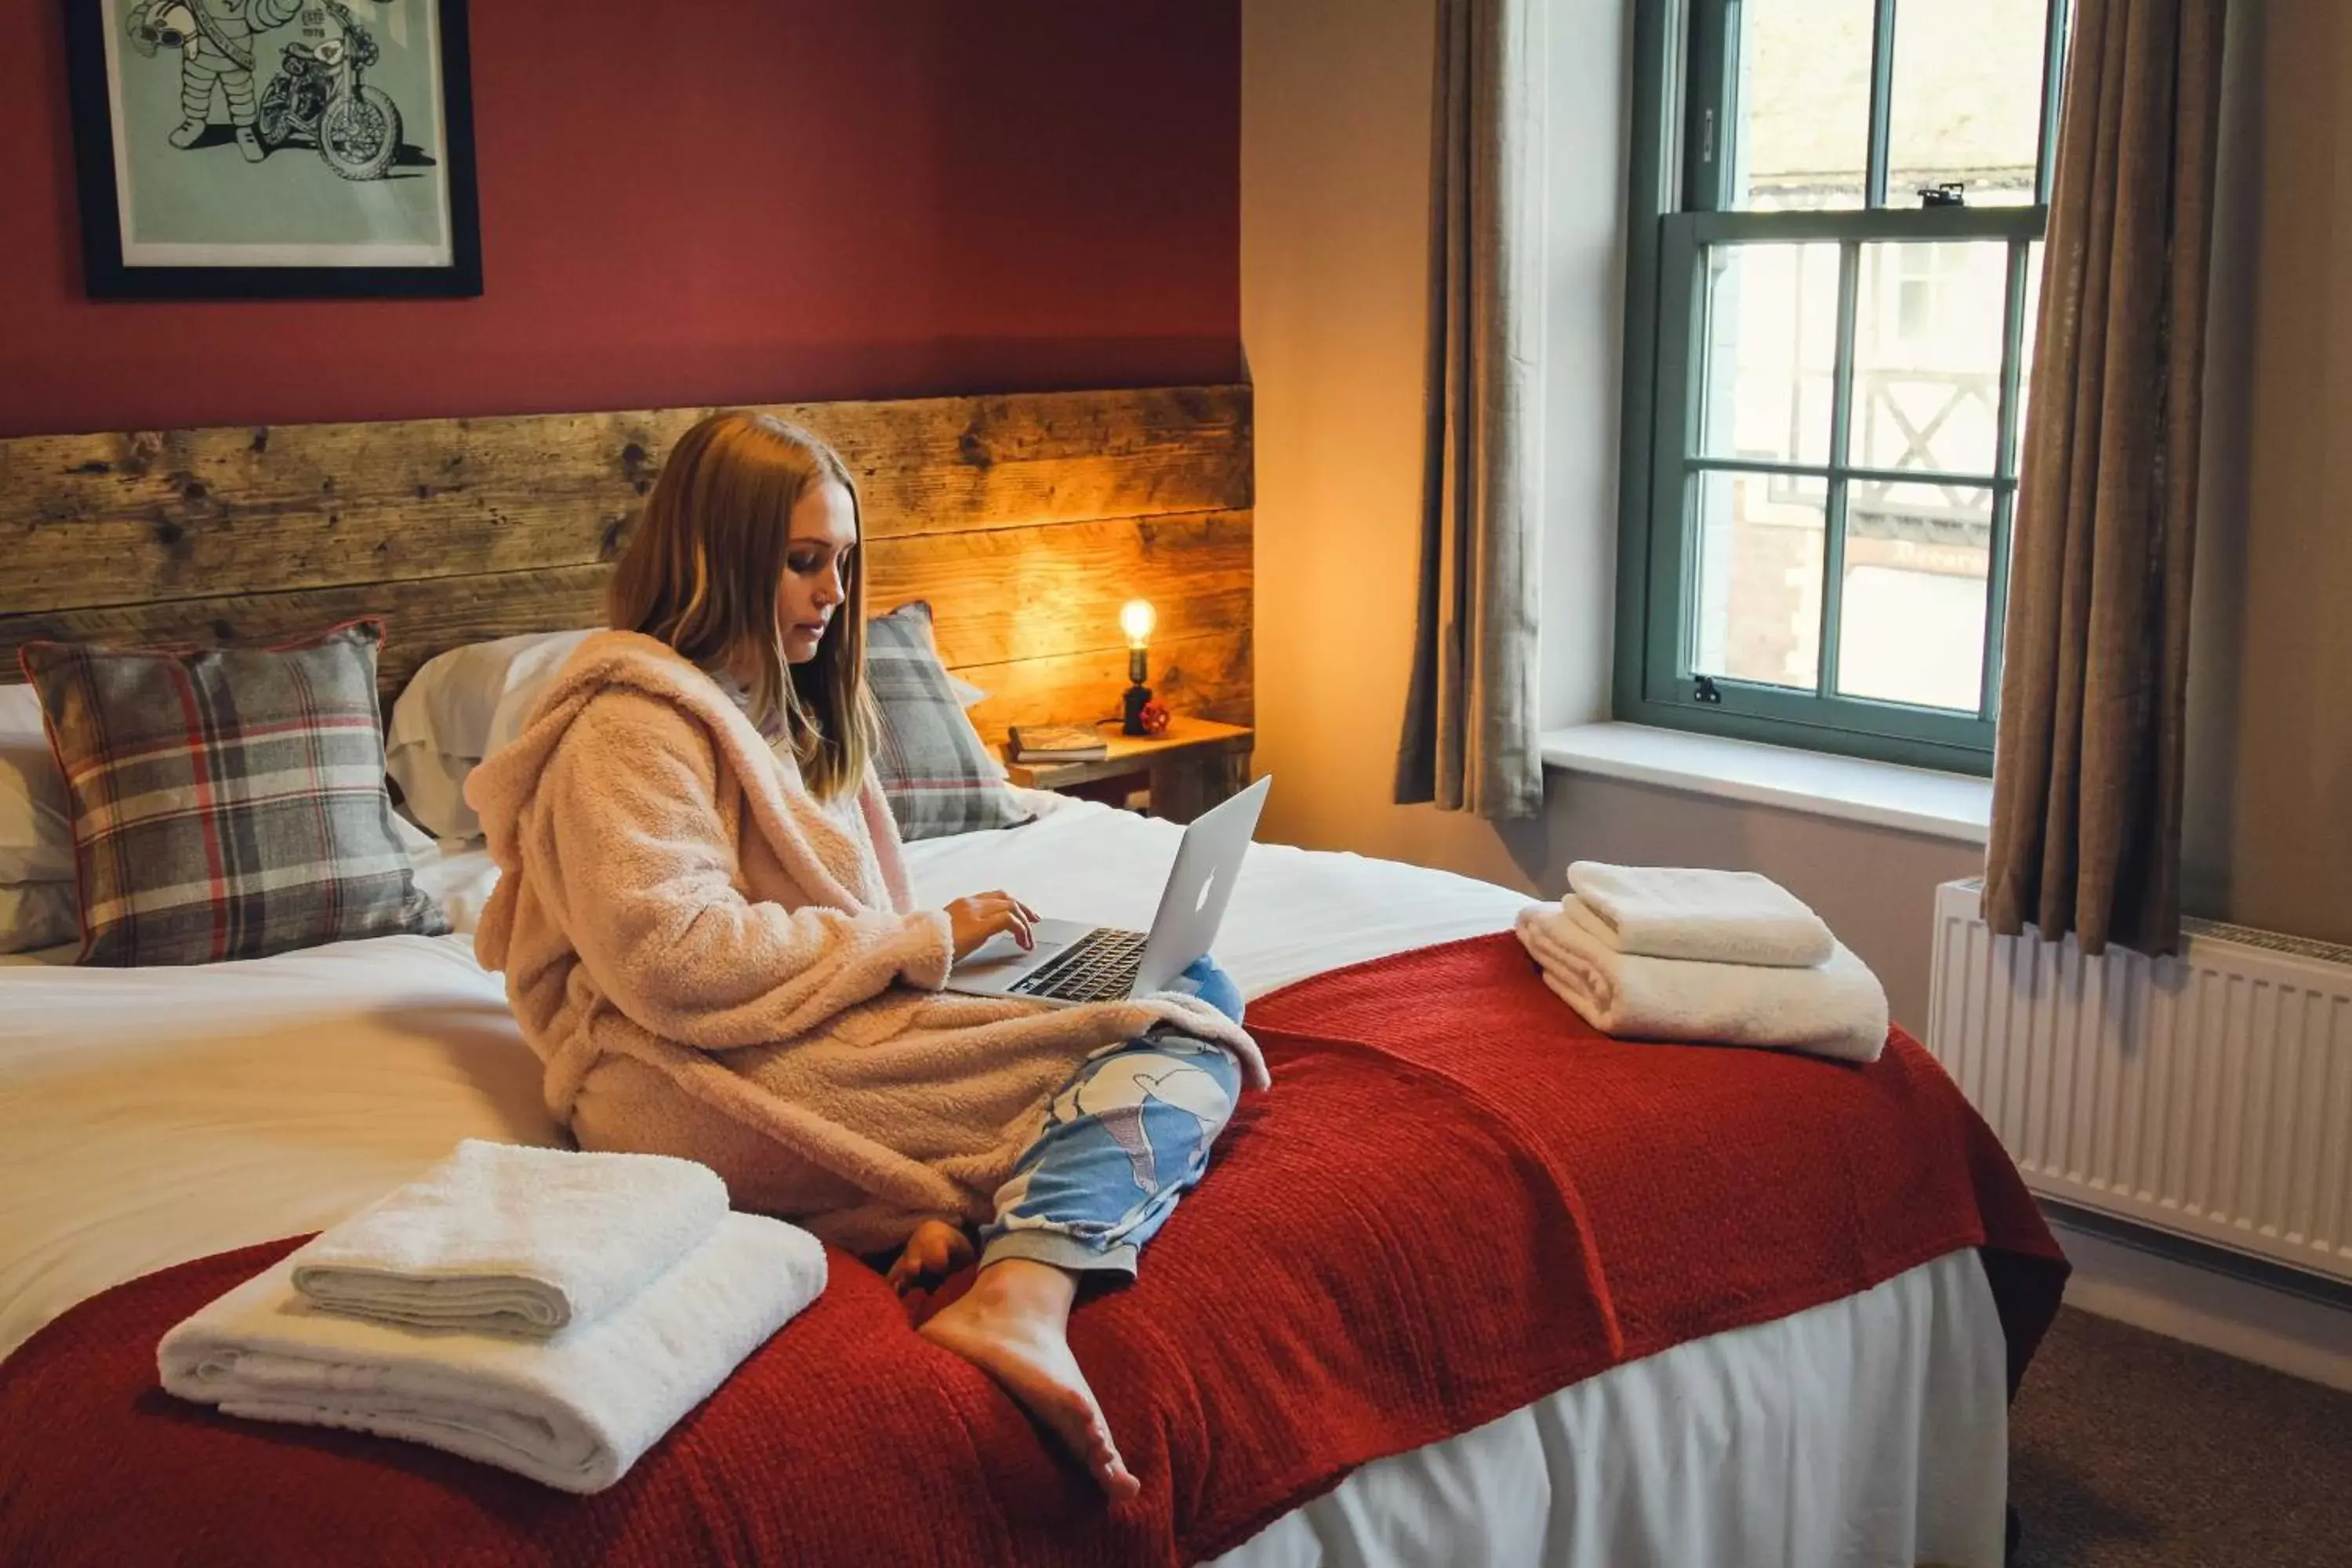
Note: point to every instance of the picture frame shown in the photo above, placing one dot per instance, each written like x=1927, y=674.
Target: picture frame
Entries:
x=274, y=149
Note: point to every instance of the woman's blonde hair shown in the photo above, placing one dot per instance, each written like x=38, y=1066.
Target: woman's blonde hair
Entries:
x=702, y=570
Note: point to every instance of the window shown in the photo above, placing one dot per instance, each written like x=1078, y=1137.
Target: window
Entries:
x=1834, y=259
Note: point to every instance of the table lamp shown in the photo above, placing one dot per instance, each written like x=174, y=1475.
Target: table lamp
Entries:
x=1136, y=619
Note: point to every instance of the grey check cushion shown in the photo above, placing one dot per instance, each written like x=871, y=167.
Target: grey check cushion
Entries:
x=226, y=804
x=936, y=772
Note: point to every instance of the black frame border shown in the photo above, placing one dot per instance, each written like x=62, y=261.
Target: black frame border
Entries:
x=106, y=276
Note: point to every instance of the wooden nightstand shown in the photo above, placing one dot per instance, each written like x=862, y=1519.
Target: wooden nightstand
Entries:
x=1197, y=763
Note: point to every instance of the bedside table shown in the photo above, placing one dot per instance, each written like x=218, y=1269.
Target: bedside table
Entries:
x=1195, y=765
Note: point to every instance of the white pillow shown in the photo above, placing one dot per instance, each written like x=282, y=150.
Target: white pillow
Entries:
x=458, y=708
x=433, y=791
x=465, y=704
x=36, y=838
x=449, y=705
x=422, y=850
x=34, y=915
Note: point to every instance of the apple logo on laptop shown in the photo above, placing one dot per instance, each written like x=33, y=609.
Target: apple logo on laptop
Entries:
x=1206, y=889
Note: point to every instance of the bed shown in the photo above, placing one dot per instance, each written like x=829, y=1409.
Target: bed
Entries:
x=148, y=1117
x=165, y=1131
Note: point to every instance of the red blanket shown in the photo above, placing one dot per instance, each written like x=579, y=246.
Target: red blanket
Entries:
x=1455, y=1200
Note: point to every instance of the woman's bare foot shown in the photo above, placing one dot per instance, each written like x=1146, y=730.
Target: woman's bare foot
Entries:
x=936, y=1250
x=1014, y=1324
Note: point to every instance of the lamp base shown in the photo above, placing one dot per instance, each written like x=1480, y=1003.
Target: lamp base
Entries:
x=1132, y=715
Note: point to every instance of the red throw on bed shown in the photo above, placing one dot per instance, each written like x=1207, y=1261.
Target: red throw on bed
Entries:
x=1455, y=1200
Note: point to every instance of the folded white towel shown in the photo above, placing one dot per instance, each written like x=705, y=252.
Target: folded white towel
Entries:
x=573, y=1411
x=1715, y=916
x=509, y=1239
x=1836, y=1009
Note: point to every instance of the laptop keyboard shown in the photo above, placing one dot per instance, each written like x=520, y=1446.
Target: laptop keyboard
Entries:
x=1101, y=966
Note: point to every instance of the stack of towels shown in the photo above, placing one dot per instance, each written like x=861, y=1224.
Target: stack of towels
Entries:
x=551, y=1312
x=1730, y=958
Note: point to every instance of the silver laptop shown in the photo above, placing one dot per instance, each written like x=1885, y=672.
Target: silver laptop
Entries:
x=1073, y=963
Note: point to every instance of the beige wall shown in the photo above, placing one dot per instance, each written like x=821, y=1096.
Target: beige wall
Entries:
x=2269, y=835
x=1335, y=168
x=1335, y=159
x=1333, y=172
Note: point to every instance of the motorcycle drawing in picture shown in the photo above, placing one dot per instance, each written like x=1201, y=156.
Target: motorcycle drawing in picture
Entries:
x=320, y=93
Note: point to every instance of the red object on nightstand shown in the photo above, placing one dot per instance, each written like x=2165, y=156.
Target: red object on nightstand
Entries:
x=1155, y=718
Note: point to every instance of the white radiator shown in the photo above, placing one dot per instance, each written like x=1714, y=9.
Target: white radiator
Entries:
x=2208, y=1094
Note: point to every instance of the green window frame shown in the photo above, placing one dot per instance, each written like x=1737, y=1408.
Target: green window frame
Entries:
x=1685, y=90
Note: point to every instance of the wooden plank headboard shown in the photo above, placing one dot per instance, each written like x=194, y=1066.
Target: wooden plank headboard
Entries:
x=1025, y=519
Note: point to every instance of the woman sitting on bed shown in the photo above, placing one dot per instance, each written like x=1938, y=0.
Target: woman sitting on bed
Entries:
x=707, y=934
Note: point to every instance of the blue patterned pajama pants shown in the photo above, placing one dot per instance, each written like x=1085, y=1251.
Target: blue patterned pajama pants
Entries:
x=1126, y=1137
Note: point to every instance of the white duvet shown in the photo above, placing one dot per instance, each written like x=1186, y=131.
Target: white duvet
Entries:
x=148, y=1117
x=151, y=1116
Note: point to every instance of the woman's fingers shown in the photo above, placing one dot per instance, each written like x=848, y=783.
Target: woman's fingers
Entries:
x=1016, y=915
x=981, y=916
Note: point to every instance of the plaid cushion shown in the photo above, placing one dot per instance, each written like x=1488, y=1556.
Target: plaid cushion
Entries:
x=936, y=773
x=226, y=804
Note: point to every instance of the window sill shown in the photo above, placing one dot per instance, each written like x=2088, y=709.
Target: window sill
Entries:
x=1955, y=807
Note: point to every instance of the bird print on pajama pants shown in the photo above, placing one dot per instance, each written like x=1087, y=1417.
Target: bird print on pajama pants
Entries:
x=1126, y=1138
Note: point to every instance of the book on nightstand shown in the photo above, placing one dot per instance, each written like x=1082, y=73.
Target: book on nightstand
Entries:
x=1057, y=743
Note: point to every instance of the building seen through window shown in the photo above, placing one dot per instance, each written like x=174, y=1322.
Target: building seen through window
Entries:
x=1829, y=367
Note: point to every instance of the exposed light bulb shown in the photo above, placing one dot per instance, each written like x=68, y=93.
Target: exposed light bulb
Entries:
x=1135, y=619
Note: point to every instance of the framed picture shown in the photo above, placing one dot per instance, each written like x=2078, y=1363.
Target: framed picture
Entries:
x=274, y=149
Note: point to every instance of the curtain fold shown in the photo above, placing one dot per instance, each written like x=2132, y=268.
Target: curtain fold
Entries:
x=1470, y=740
x=2088, y=762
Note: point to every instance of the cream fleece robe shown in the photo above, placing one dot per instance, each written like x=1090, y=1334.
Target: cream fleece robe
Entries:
x=692, y=947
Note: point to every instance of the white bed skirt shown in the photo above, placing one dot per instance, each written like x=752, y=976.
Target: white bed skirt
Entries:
x=148, y=1117
x=1870, y=1430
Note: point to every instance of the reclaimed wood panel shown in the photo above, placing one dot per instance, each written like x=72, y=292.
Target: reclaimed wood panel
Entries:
x=1030, y=592
x=998, y=597
x=1026, y=521
x=422, y=616
x=1207, y=677
x=90, y=520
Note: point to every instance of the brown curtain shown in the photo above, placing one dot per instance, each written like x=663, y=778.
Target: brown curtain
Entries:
x=2088, y=764
x=1470, y=729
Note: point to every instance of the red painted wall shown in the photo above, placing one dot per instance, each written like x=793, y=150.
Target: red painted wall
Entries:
x=719, y=201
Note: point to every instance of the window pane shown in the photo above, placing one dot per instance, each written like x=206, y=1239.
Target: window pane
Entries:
x=1929, y=320
x=1771, y=352
x=1804, y=136
x=2025, y=356
x=1966, y=99
x=1911, y=621
x=1759, y=577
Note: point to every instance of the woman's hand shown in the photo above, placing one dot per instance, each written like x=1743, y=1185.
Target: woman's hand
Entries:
x=983, y=915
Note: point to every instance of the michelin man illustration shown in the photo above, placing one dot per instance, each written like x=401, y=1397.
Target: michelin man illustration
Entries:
x=216, y=39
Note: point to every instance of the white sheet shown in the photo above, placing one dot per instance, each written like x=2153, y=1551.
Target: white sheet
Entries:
x=151, y=1116
x=148, y=1117
x=1295, y=913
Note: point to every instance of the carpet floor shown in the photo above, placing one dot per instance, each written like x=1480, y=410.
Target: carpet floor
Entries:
x=2131, y=1450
